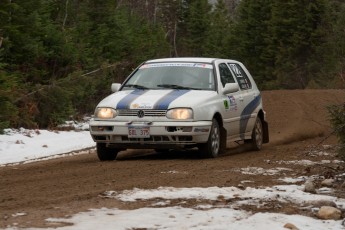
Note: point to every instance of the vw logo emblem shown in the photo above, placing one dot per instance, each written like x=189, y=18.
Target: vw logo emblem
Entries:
x=140, y=114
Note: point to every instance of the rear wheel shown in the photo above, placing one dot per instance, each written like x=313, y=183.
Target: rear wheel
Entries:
x=257, y=135
x=106, y=154
x=211, y=148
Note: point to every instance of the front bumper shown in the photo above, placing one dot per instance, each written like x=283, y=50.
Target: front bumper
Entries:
x=161, y=134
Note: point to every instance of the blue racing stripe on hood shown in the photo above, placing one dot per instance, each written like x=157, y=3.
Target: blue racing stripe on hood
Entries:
x=165, y=101
x=125, y=102
x=247, y=111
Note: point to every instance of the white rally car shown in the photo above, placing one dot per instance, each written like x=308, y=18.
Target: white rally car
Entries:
x=181, y=103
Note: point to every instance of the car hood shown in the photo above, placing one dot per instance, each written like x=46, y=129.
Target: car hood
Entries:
x=156, y=99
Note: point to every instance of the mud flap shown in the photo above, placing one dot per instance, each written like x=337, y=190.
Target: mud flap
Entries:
x=223, y=139
x=266, y=137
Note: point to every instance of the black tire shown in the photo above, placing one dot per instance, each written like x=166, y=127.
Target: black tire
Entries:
x=257, y=135
x=106, y=154
x=212, y=148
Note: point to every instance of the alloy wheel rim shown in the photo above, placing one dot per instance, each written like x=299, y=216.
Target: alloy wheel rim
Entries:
x=258, y=133
x=215, y=140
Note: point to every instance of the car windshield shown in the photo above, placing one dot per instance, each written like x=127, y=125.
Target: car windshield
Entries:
x=172, y=75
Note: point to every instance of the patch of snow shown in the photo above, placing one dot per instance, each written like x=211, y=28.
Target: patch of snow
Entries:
x=309, y=162
x=325, y=190
x=173, y=172
x=188, y=218
x=22, y=145
x=300, y=179
x=19, y=214
x=246, y=181
x=293, y=180
x=261, y=171
x=282, y=193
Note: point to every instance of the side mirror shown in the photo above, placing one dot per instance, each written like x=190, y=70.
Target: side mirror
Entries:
x=115, y=87
x=231, y=88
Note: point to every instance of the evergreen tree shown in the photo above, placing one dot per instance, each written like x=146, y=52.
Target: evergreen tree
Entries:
x=250, y=39
x=219, y=32
x=26, y=53
x=332, y=52
x=197, y=26
x=296, y=35
x=170, y=15
x=48, y=45
x=58, y=58
x=280, y=40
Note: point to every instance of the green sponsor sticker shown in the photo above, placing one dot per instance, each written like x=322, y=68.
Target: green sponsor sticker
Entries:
x=226, y=104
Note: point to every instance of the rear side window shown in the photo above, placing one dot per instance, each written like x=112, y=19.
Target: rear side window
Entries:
x=241, y=76
x=225, y=74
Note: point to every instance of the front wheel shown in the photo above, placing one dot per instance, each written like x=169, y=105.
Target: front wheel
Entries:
x=106, y=154
x=257, y=135
x=211, y=148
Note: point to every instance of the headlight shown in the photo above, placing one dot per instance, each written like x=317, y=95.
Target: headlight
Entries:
x=180, y=114
x=105, y=113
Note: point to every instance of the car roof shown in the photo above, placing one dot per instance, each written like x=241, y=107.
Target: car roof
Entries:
x=188, y=59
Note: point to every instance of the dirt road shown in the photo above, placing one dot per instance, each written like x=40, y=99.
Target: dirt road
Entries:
x=298, y=123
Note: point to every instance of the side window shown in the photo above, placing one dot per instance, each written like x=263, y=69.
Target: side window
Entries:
x=241, y=76
x=225, y=74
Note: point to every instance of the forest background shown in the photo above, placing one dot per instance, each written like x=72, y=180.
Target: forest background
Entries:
x=58, y=58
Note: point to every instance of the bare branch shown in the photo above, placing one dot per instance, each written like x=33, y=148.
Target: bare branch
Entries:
x=60, y=80
x=66, y=15
x=175, y=32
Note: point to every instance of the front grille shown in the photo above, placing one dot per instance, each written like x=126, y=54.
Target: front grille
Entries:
x=148, y=112
x=151, y=139
x=99, y=138
x=172, y=139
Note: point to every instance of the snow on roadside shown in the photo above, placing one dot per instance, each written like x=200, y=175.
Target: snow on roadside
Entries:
x=281, y=193
x=201, y=216
x=188, y=218
x=261, y=171
x=306, y=162
x=22, y=145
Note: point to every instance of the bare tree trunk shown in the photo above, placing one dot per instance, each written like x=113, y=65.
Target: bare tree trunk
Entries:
x=66, y=15
x=147, y=10
x=175, y=31
x=119, y=3
x=10, y=17
x=341, y=74
x=155, y=13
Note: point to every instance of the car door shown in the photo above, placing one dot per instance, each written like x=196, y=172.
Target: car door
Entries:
x=232, y=102
x=249, y=99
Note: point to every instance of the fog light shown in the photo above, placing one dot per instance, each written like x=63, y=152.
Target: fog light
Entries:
x=187, y=129
x=102, y=128
x=179, y=128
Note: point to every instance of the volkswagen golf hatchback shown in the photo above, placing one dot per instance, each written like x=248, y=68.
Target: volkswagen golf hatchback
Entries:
x=178, y=103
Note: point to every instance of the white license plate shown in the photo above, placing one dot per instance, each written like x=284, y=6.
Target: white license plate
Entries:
x=138, y=132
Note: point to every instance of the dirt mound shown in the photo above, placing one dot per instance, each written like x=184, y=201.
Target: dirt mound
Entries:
x=295, y=115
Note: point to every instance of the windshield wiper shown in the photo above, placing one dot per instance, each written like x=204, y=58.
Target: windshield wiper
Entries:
x=136, y=86
x=171, y=86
